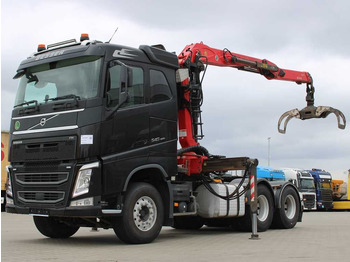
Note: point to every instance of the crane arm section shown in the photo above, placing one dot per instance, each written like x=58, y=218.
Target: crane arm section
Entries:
x=195, y=57
x=226, y=58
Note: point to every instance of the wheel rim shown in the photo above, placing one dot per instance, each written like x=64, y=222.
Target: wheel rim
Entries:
x=290, y=207
x=145, y=213
x=263, y=208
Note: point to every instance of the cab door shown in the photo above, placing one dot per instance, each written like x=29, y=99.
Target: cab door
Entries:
x=125, y=134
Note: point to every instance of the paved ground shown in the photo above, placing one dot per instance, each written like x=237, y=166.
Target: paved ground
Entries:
x=322, y=236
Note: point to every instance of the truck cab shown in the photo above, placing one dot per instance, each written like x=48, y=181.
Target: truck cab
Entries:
x=305, y=184
x=324, y=192
x=82, y=109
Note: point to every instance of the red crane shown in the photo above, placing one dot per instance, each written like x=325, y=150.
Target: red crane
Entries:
x=194, y=59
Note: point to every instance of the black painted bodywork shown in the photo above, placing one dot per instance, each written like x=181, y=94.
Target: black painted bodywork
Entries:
x=133, y=140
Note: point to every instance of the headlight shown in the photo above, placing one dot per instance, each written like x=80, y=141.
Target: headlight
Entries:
x=83, y=179
x=9, y=185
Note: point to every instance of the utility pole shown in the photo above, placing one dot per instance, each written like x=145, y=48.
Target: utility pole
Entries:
x=268, y=151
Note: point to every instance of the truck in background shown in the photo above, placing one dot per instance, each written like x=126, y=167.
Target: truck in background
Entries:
x=338, y=189
x=305, y=183
x=323, y=185
x=4, y=163
x=269, y=173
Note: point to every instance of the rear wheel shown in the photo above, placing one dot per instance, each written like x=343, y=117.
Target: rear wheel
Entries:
x=287, y=216
x=265, y=208
x=142, y=217
x=53, y=228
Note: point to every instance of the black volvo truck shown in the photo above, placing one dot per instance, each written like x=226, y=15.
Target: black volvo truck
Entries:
x=94, y=137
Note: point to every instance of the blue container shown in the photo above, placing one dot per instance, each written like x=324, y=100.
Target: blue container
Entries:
x=269, y=173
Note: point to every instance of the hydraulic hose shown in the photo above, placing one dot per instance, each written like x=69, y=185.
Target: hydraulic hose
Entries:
x=199, y=150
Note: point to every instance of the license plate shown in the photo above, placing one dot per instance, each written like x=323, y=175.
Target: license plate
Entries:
x=38, y=212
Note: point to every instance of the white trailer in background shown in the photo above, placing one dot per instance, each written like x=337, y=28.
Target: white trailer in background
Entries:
x=304, y=181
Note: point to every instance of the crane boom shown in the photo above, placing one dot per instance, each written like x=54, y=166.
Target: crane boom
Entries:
x=195, y=57
x=226, y=58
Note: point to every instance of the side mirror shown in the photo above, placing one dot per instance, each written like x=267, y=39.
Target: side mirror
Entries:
x=126, y=80
x=118, y=94
x=113, y=97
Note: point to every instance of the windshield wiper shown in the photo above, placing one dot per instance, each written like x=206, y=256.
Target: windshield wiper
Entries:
x=27, y=103
x=64, y=97
x=65, y=104
x=28, y=109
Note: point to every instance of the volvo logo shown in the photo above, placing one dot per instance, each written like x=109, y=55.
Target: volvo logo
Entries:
x=42, y=121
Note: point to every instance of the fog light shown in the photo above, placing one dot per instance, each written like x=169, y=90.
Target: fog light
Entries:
x=9, y=201
x=82, y=202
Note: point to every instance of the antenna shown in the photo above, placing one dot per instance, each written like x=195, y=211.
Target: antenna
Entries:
x=112, y=36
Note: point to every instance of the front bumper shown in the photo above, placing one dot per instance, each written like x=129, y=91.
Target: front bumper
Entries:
x=91, y=211
x=47, y=191
x=60, y=212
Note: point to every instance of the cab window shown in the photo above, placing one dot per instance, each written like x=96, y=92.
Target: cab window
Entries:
x=160, y=89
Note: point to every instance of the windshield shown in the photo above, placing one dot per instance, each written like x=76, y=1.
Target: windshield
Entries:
x=307, y=184
x=71, y=78
x=326, y=185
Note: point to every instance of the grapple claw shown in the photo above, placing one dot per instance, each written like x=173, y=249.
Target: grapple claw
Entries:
x=324, y=111
x=311, y=112
x=286, y=117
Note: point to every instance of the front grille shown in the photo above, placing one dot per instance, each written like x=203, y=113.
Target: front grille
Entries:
x=53, y=149
x=53, y=178
x=327, y=198
x=326, y=195
x=42, y=184
x=49, y=197
x=309, y=201
x=41, y=165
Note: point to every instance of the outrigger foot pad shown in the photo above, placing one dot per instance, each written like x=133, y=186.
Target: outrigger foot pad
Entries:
x=311, y=112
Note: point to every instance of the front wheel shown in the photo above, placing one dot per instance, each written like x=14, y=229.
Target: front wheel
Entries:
x=265, y=206
x=287, y=216
x=54, y=228
x=142, y=217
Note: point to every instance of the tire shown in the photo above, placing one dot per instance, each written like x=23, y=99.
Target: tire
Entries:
x=264, y=213
x=265, y=208
x=192, y=223
x=53, y=228
x=287, y=216
x=143, y=215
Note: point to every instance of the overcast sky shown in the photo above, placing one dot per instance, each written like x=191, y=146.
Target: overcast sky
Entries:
x=241, y=109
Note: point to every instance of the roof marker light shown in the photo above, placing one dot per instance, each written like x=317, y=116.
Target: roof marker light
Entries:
x=41, y=47
x=84, y=37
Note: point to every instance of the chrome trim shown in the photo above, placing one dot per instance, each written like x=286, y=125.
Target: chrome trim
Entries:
x=38, y=215
x=51, y=129
x=111, y=211
x=48, y=114
x=89, y=166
